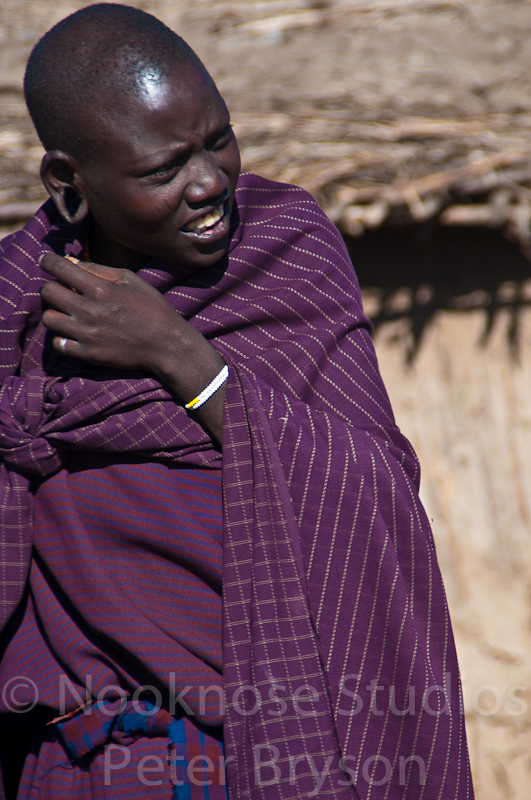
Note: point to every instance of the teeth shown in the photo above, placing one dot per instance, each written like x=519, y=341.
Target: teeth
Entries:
x=206, y=222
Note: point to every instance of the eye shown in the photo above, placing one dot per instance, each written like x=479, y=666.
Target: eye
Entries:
x=162, y=171
x=220, y=140
x=165, y=171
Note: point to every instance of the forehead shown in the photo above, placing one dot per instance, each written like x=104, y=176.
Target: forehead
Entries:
x=159, y=105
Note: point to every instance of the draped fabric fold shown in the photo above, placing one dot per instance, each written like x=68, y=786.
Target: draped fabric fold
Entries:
x=42, y=418
x=344, y=580
x=340, y=672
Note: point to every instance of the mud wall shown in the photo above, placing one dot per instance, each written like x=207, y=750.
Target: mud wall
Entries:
x=453, y=336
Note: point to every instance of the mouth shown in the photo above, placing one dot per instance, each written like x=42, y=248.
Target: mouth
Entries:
x=209, y=223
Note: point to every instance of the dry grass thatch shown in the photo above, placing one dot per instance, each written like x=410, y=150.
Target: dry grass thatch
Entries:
x=370, y=163
x=400, y=118
x=406, y=170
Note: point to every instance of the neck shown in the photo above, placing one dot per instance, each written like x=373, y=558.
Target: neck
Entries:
x=107, y=251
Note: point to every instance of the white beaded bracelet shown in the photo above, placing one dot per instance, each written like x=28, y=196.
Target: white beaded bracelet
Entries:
x=211, y=389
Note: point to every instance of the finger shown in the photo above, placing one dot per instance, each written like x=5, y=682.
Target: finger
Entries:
x=110, y=274
x=61, y=324
x=51, y=262
x=63, y=298
x=69, y=274
x=61, y=343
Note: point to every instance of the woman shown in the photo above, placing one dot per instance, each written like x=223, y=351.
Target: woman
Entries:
x=198, y=411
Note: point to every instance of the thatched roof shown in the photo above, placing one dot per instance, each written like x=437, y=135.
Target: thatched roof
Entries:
x=388, y=111
x=407, y=170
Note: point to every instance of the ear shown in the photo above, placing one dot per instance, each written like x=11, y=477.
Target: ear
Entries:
x=58, y=172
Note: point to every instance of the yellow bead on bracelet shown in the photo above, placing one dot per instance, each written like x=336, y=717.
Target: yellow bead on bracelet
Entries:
x=211, y=389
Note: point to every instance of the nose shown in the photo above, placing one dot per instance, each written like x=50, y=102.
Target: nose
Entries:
x=207, y=182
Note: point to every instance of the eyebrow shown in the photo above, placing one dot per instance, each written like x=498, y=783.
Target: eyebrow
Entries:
x=180, y=151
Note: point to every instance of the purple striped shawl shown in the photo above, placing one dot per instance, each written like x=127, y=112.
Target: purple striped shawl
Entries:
x=337, y=639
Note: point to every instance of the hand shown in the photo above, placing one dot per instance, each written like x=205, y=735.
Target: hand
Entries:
x=111, y=317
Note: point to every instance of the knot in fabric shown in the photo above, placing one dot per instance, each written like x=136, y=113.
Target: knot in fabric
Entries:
x=26, y=404
x=195, y=753
x=120, y=720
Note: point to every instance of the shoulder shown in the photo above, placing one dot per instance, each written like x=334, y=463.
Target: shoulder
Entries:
x=21, y=278
x=267, y=195
x=19, y=254
x=279, y=218
x=287, y=249
x=260, y=199
x=20, y=251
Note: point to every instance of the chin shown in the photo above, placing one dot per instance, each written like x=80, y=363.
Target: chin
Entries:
x=189, y=266
x=204, y=260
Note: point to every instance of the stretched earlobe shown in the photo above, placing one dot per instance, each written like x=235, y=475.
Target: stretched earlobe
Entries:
x=60, y=204
x=57, y=173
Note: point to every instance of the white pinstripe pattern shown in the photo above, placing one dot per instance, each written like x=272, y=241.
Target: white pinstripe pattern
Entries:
x=327, y=548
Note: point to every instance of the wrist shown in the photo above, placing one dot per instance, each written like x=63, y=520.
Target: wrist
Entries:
x=187, y=364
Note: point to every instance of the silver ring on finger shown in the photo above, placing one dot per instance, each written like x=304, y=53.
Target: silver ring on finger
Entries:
x=62, y=344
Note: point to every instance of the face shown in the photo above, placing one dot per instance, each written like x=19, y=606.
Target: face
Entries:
x=163, y=183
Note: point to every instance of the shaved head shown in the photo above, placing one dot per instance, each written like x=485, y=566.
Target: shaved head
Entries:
x=91, y=65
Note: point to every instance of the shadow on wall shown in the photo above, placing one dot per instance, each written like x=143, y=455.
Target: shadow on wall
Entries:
x=411, y=273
